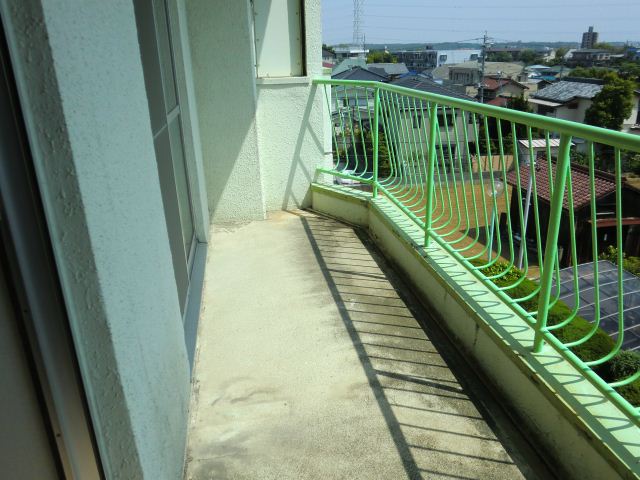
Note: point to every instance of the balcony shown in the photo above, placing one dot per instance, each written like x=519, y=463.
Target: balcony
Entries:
x=430, y=317
x=326, y=366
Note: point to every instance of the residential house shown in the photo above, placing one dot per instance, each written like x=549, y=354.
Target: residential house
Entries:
x=390, y=70
x=349, y=63
x=411, y=126
x=605, y=188
x=569, y=99
x=470, y=73
x=345, y=97
x=328, y=56
x=418, y=60
x=497, y=90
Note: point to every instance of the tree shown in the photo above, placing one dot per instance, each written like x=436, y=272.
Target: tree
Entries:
x=592, y=72
x=559, y=56
x=530, y=57
x=328, y=48
x=381, y=56
x=608, y=47
x=519, y=103
x=499, y=57
x=613, y=104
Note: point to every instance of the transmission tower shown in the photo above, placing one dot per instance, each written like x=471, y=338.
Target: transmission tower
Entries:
x=358, y=35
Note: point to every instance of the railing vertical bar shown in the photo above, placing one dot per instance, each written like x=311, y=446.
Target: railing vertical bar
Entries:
x=433, y=128
x=551, y=246
x=376, y=134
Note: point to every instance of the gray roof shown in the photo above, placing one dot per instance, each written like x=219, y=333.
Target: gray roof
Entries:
x=347, y=64
x=419, y=82
x=388, y=68
x=508, y=69
x=359, y=73
x=564, y=91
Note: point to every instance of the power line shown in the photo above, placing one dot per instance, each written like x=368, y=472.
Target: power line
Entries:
x=507, y=5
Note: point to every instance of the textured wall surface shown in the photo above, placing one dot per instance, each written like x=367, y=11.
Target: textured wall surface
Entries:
x=291, y=133
x=222, y=55
x=81, y=84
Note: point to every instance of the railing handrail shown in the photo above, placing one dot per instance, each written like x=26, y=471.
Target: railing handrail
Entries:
x=622, y=140
x=400, y=134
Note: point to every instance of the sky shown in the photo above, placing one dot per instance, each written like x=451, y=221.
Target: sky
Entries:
x=408, y=21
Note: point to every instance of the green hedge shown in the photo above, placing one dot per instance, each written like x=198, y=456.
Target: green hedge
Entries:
x=600, y=344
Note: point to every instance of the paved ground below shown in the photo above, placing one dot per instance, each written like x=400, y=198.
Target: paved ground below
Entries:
x=314, y=362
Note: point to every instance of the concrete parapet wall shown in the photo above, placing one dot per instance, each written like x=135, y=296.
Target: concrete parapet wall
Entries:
x=582, y=434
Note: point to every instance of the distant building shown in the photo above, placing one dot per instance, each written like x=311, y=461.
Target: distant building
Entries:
x=589, y=39
x=469, y=73
x=350, y=51
x=328, y=57
x=589, y=57
x=633, y=53
x=418, y=60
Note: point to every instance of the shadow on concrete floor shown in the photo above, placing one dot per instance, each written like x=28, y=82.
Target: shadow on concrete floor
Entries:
x=443, y=420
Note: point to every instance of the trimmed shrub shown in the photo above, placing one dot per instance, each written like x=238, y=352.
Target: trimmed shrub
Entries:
x=600, y=344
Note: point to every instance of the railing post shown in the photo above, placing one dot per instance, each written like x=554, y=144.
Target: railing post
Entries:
x=551, y=246
x=376, y=139
x=433, y=130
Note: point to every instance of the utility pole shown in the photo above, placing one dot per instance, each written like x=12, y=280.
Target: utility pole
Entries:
x=484, y=55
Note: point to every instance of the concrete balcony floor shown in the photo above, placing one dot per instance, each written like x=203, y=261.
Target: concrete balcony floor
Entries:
x=315, y=361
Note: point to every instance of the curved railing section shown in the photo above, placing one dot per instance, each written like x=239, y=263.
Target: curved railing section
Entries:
x=537, y=208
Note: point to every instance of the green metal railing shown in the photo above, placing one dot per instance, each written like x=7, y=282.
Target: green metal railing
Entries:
x=497, y=188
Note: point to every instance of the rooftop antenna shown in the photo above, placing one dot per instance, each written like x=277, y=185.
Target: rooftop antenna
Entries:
x=358, y=36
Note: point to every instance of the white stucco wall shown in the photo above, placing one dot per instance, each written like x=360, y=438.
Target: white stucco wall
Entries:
x=261, y=139
x=576, y=114
x=81, y=85
x=222, y=54
x=291, y=125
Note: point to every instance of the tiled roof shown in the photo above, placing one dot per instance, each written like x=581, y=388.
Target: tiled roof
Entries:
x=419, y=82
x=498, y=101
x=389, y=68
x=359, y=73
x=604, y=183
x=565, y=91
x=493, y=83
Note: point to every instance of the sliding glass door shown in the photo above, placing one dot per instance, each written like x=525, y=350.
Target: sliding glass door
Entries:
x=155, y=36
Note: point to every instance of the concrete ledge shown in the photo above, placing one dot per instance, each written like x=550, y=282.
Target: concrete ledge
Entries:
x=579, y=429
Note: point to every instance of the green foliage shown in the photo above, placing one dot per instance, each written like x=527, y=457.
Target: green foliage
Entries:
x=591, y=72
x=631, y=163
x=600, y=343
x=329, y=48
x=380, y=56
x=529, y=57
x=499, y=57
x=613, y=104
x=630, y=264
x=579, y=158
x=608, y=47
x=519, y=103
x=623, y=365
